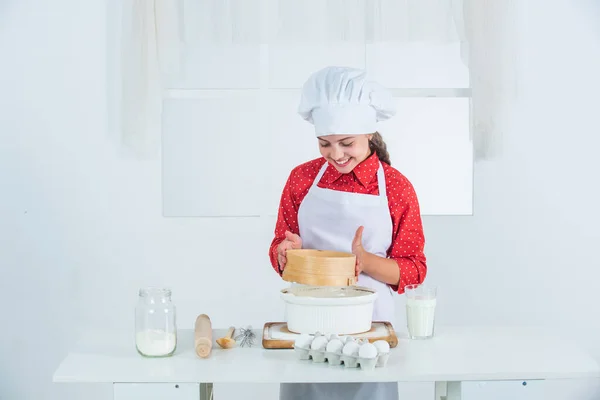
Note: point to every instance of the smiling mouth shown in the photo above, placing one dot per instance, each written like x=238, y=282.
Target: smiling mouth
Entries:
x=342, y=163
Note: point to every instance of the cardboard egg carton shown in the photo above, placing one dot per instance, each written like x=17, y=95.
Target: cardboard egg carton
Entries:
x=304, y=351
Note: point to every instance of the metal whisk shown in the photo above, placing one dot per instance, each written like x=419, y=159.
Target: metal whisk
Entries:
x=246, y=337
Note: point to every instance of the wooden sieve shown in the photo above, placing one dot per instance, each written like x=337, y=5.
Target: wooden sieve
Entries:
x=320, y=267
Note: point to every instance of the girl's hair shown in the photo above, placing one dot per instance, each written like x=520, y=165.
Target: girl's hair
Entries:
x=378, y=146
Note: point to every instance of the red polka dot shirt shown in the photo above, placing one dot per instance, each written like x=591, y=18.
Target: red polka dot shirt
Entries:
x=408, y=241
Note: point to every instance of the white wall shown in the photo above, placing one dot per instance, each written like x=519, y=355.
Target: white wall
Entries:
x=81, y=226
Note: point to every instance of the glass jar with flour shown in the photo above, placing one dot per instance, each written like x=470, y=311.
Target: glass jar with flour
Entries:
x=155, y=323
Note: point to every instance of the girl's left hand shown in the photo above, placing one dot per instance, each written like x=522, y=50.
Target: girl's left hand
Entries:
x=358, y=250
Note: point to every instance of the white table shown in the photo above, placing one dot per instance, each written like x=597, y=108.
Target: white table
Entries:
x=455, y=355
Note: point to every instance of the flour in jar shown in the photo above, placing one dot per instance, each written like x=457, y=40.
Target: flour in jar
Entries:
x=155, y=343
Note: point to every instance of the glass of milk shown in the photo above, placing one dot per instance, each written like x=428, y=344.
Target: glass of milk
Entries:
x=420, y=310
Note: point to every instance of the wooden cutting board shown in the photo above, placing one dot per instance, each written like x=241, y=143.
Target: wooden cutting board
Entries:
x=277, y=336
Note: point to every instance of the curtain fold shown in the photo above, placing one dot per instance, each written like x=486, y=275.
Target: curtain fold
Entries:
x=489, y=47
x=151, y=47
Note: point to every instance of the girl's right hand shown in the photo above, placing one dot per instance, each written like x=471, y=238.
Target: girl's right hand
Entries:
x=291, y=241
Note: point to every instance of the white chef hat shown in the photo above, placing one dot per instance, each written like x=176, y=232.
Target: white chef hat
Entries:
x=342, y=100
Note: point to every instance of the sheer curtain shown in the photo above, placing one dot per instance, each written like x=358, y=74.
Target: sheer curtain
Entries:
x=152, y=41
x=486, y=31
x=151, y=45
x=489, y=46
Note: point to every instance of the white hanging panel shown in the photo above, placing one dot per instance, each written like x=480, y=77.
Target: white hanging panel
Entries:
x=291, y=65
x=411, y=21
x=291, y=142
x=222, y=21
x=417, y=65
x=428, y=141
x=316, y=21
x=222, y=45
x=415, y=43
x=208, y=66
x=212, y=156
x=308, y=35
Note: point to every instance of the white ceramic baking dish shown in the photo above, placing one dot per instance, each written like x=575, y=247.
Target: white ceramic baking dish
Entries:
x=340, y=310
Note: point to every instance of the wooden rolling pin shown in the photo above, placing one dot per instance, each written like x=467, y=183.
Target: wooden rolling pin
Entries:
x=203, y=336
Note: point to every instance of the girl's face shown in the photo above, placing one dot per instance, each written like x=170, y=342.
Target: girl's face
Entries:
x=345, y=152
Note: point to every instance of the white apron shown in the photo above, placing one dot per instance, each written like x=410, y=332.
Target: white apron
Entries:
x=328, y=220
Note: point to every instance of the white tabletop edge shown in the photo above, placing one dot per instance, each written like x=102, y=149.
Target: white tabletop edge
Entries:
x=277, y=366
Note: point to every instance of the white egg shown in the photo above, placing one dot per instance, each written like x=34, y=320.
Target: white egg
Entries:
x=319, y=343
x=334, y=346
x=367, y=350
x=303, y=341
x=350, y=348
x=383, y=347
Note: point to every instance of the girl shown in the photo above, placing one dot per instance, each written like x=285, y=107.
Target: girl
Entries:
x=351, y=200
